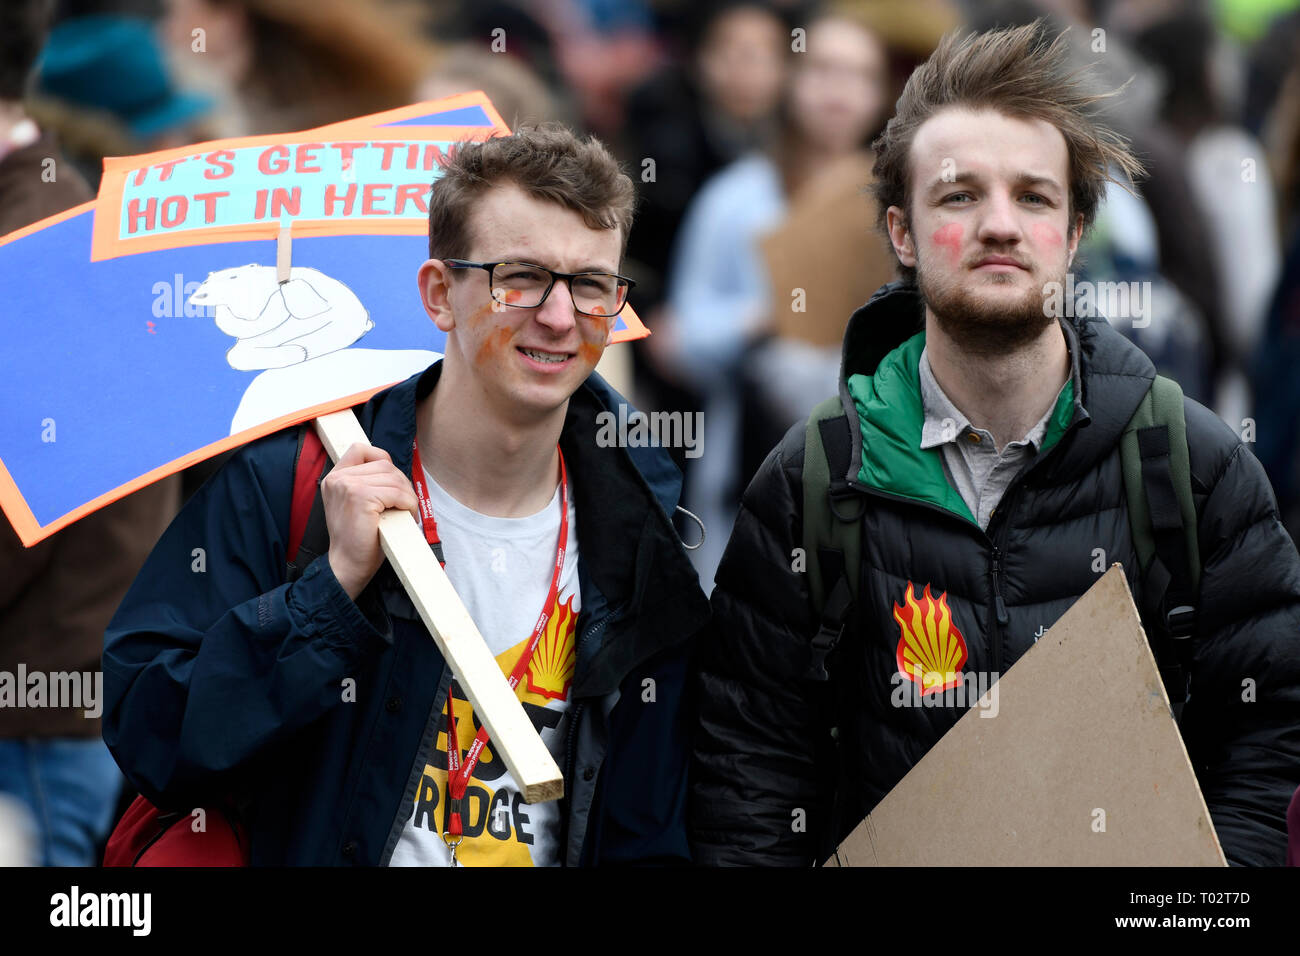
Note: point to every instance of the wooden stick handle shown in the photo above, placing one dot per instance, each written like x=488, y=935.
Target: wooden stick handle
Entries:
x=513, y=737
x=284, y=253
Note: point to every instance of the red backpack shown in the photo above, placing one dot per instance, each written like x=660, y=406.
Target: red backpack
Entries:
x=148, y=836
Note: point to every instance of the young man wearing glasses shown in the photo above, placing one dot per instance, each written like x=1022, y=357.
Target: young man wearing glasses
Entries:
x=323, y=699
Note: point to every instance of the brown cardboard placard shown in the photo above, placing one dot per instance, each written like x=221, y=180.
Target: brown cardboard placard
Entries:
x=1082, y=738
x=828, y=247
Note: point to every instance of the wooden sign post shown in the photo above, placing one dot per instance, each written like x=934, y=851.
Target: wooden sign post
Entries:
x=513, y=737
x=1079, y=764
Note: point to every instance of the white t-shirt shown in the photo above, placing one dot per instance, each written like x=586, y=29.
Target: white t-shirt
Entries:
x=501, y=568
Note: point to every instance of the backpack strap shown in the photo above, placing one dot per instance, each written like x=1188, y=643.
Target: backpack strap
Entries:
x=832, y=539
x=1162, y=518
x=308, y=532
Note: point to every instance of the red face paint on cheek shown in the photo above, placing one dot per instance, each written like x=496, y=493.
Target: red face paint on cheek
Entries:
x=589, y=353
x=949, y=237
x=512, y=295
x=1046, y=235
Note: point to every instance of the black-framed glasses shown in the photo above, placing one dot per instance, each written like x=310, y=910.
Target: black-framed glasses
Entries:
x=524, y=285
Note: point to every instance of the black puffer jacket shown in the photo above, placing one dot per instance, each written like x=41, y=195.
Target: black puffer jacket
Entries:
x=768, y=786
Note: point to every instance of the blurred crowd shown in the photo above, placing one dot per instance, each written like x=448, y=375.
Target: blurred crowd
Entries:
x=747, y=129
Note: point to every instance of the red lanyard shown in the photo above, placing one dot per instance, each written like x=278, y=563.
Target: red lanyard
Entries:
x=458, y=773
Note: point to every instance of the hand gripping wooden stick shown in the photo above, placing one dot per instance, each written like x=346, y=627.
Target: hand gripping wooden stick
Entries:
x=513, y=738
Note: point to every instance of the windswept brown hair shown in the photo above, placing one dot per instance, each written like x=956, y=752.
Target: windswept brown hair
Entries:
x=548, y=162
x=1021, y=72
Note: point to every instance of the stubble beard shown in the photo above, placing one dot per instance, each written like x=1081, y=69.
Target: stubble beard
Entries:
x=979, y=326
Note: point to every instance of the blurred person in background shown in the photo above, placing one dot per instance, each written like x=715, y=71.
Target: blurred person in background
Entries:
x=720, y=301
x=56, y=598
x=280, y=65
x=1277, y=387
x=1228, y=172
x=515, y=89
x=604, y=48
x=16, y=844
x=516, y=31
x=714, y=102
x=1271, y=63
x=695, y=117
x=102, y=84
x=1280, y=125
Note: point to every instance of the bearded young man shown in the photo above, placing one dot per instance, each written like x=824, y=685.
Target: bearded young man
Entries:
x=321, y=700
x=984, y=436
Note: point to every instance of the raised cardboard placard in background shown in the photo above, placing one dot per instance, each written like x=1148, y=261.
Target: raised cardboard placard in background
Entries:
x=829, y=247
x=1082, y=727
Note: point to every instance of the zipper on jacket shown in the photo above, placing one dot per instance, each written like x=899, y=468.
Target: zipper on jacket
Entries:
x=999, y=609
x=569, y=755
x=999, y=616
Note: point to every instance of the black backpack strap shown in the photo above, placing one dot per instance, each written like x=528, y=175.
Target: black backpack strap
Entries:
x=1168, y=596
x=835, y=616
x=1162, y=511
x=831, y=530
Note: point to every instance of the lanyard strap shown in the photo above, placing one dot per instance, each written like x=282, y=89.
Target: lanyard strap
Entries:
x=426, y=503
x=458, y=771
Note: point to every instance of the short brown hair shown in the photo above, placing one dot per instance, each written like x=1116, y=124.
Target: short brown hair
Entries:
x=1018, y=71
x=547, y=162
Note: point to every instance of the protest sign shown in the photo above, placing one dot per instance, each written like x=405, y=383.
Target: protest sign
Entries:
x=1079, y=763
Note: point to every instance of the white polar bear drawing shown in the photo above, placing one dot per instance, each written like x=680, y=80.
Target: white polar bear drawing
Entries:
x=298, y=333
x=282, y=324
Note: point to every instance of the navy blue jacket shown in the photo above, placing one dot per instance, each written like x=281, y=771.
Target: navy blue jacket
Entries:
x=221, y=678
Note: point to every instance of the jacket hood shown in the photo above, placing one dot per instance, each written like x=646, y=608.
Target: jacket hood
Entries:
x=882, y=346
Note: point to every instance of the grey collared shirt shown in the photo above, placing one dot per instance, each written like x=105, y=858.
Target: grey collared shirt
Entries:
x=971, y=460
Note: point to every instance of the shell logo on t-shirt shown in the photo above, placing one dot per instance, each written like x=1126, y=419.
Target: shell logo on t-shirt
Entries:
x=551, y=669
x=500, y=829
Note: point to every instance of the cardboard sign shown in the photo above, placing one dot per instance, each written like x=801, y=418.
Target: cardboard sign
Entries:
x=1083, y=764
x=151, y=329
x=828, y=247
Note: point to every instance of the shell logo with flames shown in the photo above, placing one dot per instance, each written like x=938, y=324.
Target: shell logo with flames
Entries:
x=931, y=651
x=551, y=668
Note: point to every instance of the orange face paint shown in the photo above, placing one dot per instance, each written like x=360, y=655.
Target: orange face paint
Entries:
x=512, y=295
x=589, y=352
x=494, y=344
x=480, y=313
